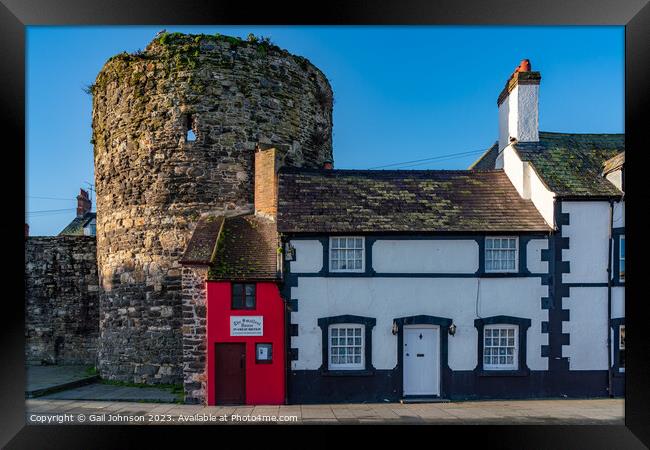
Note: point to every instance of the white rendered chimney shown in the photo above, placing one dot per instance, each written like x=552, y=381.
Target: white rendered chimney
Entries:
x=519, y=107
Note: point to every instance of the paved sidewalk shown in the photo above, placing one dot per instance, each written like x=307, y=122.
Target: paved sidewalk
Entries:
x=45, y=379
x=113, y=393
x=524, y=412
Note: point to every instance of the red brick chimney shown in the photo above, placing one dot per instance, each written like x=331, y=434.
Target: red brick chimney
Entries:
x=83, y=203
x=266, y=181
x=328, y=165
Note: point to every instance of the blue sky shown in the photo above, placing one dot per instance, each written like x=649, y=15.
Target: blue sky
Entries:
x=400, y=93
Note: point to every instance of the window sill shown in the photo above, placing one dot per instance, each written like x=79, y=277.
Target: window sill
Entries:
x=503, y=373
x=347, y=373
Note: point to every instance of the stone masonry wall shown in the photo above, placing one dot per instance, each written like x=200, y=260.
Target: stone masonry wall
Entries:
x=152, y=183
x=61, y=300
x=194, y=333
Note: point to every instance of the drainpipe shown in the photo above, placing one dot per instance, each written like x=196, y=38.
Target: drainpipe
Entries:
x=609, y=301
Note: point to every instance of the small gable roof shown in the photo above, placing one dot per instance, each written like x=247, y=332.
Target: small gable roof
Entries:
x=235, y=248
x=76, y=227
x=368, y=201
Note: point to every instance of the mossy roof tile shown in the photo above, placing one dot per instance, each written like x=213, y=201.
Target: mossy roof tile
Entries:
x=343, y=201
x=572, y=164
x=247, y=249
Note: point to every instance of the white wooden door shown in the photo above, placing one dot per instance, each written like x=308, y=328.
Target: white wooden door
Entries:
x=421, y=360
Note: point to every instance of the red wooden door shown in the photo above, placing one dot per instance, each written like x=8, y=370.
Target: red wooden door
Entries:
x=230, y=374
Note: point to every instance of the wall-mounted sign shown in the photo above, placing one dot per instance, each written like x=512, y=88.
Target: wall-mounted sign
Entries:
x=263, y=353
x=246, y=325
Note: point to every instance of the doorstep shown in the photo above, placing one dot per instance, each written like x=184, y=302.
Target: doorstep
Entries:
x=407, y=400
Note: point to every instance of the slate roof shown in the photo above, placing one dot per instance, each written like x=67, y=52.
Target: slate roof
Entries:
x=342, y=201
x=488, y=159
x=247, y=249
x=200, y=249
x=76, y=227
x=571, y=165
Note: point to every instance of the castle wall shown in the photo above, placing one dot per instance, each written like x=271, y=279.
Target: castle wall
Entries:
x=61, y=300
x=153, y=183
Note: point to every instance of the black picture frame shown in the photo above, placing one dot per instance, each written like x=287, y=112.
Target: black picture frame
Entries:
x=16, y=14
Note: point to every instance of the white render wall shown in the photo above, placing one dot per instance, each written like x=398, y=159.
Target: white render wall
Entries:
x=588, y=233
x=619, y=214
x=519, y=115
x=425, y=256
x=309, y=256
x=386, y=299
x=541, y=196
x=618, y=302
x=528, y=184
x=587, y=349
x=534, y=261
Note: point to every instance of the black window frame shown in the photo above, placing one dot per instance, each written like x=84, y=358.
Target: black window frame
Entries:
x=242, y=297
x=368, y=323
x=523, y=325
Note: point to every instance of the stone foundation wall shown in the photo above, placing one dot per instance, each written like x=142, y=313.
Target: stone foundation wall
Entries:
x=61, y=300
x=194, y=333
x=153, y=181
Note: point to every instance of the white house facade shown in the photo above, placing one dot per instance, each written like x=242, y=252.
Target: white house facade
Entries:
x=502, y=281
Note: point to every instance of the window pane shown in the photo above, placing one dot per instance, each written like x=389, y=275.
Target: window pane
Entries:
x=622, y=246
x=250, y=301
x=488, y=243
x=335, y=265
x=357, y=264
x=359, y=243
x=511, y=332
x=357, y=331
x=335, y=242
x=497, y=243
x=512, y=243
x=350, y=242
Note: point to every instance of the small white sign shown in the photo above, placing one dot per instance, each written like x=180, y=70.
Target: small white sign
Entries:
x=246, y=325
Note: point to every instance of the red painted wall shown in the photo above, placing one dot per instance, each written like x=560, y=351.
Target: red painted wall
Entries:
x=265, y=383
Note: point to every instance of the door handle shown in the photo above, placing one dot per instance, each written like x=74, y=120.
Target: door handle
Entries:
x=408, y=354
x=420, y=355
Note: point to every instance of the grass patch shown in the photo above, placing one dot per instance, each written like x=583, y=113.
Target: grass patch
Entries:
x=91, y=371
x=176, y=389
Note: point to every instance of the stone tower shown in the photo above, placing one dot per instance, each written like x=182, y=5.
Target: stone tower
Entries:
x=174, y=132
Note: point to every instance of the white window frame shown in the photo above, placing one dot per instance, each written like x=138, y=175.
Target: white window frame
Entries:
x=515, y=356
x=363, y=253
x=346, y=366
x=621, y=259
x=516, y=249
